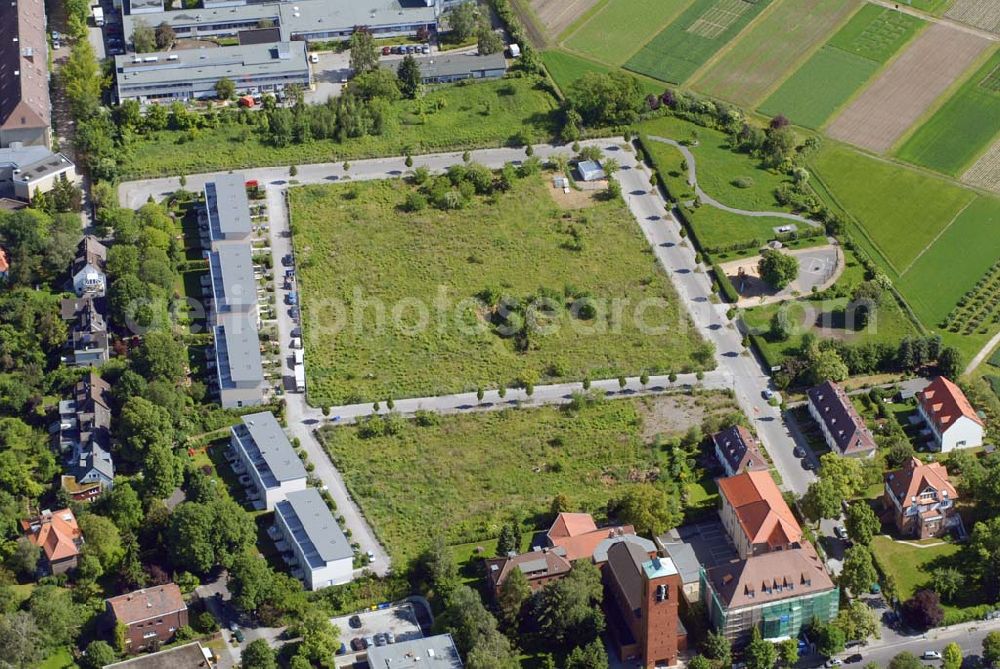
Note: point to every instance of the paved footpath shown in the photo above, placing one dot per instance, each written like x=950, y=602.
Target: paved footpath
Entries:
x=736, y=368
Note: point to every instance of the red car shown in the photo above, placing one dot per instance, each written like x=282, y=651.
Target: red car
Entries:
x=386, y=50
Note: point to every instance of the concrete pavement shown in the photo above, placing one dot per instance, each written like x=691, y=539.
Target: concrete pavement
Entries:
x=969, y=636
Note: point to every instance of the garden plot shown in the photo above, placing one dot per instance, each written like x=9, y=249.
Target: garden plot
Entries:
x=693, y=38
x=621, y=27
x=983, y=14
x=904, y=91
x=771, y=48
x=985, y=172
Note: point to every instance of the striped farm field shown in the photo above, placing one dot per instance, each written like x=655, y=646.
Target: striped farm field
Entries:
x=983, y=14
x=963, y=253
x=834, y=73
x=693, y=37
x=771, y=48
x=621, y=27
x=891, y=104
x=899, y=228
x=959, y=131
x=985, y=173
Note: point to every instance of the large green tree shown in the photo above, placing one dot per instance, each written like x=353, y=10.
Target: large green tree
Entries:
x=991, y=649
x=513, y=594
x=364, y=54
x=591, y=656
x=259, y=655
x=905, y=660
x=569, y=609
x=861, y=522
x=203, y=536
x=605, y=98
x=778, y=269
x=463, y=20
x=858, y=573
x=760, y=654
x=54, y=611
x=650, y=508
x=409, y=77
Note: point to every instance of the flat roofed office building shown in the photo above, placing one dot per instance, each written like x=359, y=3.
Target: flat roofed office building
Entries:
x=239, y=372
x=322, y=554
x=301, y=20
x=194, y=73
x=268, y=456
x=228, y=209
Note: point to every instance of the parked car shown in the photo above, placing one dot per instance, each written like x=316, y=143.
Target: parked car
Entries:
x=386, y=50
x=342, y=650
x=390, y=637
x=833, y=662
x=840, y=532
x=785, y=228
x=314, y=58
x=930, y=655
x=354, y=621
x=369, y=641
x=357, y=643
x=287, y=260
x=767, y=393
x=851, y=659
x=380, y=639
x=371, y=556
x=396, y=50
x=426, y=49
x=798, y=452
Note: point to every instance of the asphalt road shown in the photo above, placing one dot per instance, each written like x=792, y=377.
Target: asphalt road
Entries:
x=969, y=636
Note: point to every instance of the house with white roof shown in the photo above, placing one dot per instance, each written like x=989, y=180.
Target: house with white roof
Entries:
x=267, y=457
x=949, y=416
x=316, y=548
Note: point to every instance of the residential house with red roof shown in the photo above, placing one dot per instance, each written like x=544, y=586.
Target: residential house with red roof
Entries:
x=151, y=615
x=755, y=514
x=921, y=499
x=949, y=415
x=738, y=450
x=59, y=537
x=843, y=428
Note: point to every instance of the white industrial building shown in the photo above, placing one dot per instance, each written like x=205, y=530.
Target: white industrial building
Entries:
x=268, y=458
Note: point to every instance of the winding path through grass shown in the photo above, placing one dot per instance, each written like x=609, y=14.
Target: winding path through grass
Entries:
x=712, y=202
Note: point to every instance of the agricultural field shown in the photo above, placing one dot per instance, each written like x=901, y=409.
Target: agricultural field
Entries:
x=842, y=66
x=447, y=118
x=966, y=252
x=556, y=16
x=985, y=172
x=772, y=48
x=962, y=128
x=565, y=68
x=983, y=14
x=935, y=7
x=358, y=248
x=891, y=104
x=693, y=38
x=900, y=228
x=619, y=28
x=432, y=477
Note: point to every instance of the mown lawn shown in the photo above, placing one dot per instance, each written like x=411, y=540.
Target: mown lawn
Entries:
x=911, y=566
x=771, y=48
x=718, y=167
x=470, y=473
x=619, y=28
x=451, y=117
x=962, y=128
x=355, y=247
x=692, y=38
x=833, y=74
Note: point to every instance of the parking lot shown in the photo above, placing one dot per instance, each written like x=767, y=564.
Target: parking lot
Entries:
x=400, y=620
x=329, y=75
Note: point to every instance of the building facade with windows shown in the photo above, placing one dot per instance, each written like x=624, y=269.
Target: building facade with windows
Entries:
x=921, y=499
x=843, y=428
x=949, y=416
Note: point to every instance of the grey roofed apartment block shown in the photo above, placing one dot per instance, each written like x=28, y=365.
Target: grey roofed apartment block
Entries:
x=316, y=530
x=261, y=435
x=237, y=353
x=233, y=285
x=304, y=19
x=228, y=208
x=193, y=73
x=436, y=652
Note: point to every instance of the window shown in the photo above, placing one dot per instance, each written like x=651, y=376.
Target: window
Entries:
x=149, y=635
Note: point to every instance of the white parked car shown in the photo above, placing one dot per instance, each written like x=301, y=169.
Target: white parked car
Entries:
x=314, y=58
x=931, y=655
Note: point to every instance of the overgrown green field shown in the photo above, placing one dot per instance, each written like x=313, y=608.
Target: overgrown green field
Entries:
x=902, y=210
x=565, y=68
x=693, y=37
x=962, y=128
x=935, y=7
x=468, y=474
x=451, y=117
x=833, y=74
x=356, y=246
x=618, y=29
x=911, y=566
x=769, y=50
